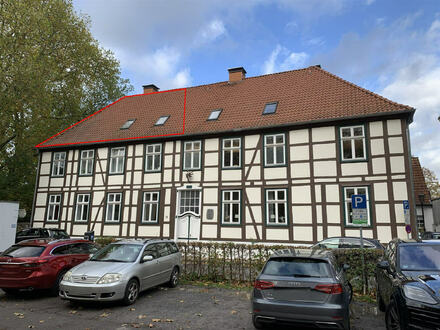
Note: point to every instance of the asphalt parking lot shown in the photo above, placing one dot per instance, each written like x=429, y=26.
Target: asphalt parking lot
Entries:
x=184, y=307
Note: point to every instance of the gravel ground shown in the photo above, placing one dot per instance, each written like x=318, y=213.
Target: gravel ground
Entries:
x=184, y=307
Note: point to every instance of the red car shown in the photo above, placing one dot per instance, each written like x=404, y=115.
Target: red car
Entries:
x=41, y=263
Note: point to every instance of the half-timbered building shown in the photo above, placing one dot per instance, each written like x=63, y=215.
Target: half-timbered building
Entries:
x=272, y=158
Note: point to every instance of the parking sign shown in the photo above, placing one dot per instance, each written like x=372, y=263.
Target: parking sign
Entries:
x=359, y=206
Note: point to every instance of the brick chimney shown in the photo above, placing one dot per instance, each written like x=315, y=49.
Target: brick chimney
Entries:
x=236, y=74
x=150, y=88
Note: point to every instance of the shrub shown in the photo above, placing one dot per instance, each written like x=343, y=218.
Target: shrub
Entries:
x=103, y=241
x=232, y=263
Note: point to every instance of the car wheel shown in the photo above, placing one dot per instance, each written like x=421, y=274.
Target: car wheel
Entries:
x=131, y=292
x=379, y=300
x=257, y=324
x=392, y=318
x=55, y=289
x=174, y=278
x=11, y=292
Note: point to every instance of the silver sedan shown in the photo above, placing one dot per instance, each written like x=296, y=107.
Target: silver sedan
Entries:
x=121, y=270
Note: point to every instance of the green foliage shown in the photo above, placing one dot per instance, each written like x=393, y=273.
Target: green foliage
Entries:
x=105, y=240
x=232, y=264
x=52, y=74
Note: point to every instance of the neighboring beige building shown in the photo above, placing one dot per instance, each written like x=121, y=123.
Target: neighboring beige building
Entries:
x=273, y=158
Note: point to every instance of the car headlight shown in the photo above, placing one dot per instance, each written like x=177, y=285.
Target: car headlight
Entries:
x=418, y=294
x=110, y=278
x=68, y=277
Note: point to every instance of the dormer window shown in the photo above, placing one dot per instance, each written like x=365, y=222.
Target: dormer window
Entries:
x=270, y=108
x=215, y=114
x=161, y=120
x=128, y=124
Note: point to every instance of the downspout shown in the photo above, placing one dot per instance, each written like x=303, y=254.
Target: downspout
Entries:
x=413, y=220
x=35, y=189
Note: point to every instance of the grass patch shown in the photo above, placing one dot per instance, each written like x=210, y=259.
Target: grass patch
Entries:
x=222, y=285
x=364, y=298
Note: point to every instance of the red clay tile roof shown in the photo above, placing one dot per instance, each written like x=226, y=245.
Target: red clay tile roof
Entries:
x=305, y=95
x=419, y=182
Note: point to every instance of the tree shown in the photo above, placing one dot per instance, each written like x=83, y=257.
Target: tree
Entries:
x=432, y=182
x=52, y=74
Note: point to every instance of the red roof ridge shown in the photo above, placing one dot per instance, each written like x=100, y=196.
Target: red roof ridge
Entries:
x=361, y=88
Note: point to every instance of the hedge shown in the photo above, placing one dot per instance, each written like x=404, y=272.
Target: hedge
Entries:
x=241, y=263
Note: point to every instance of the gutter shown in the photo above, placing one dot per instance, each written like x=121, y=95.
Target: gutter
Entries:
x=410, y=112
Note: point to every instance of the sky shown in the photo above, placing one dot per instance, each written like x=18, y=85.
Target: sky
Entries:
x=391, y=47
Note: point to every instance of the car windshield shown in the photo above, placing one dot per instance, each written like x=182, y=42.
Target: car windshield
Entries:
x=118, y=253
x=420, y=257
x=23, y=251
x=297, y=267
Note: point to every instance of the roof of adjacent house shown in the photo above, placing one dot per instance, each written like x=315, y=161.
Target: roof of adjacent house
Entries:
x=304, y=96
x=419, y=183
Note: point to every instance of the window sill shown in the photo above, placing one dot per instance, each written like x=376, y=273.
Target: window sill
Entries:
x=277, y=224
x=357, y=226
x=354, y=160
x=155, y=171
x=84, y=175
x=149, y=223
x=275, y=165
x=109, y=222
x=231, y=224
x=232, y=168
x=122, y=173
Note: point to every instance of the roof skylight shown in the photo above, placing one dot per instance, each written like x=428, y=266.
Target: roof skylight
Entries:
x=128, y=124
x=270, y=108
x=214, y=114
x=161, y=120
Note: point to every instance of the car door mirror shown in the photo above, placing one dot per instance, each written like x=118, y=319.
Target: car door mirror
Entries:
x=384, y=264
x=147, y=258
x=345, y=267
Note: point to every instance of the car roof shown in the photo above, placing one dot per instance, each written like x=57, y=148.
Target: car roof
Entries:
x=302, y=253
x=143, y=241
x=365, y=238
x=51, y=242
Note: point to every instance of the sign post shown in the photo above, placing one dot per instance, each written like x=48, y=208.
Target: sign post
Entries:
x=406, y=214
x=360, y=218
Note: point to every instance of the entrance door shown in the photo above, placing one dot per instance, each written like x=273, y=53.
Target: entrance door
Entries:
x=188, y=214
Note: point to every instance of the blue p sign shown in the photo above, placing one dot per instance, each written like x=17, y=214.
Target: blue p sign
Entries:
x=359, y=201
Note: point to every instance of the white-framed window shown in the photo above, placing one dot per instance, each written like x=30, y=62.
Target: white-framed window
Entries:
x=348, y=192
x=86, y=162
x=54, y=208
x=59, y=163
x=189, y=201
x=150, y=207
x=192, y=155
x=276, y=206
x=153, y=155
x=114, y=205
x=117, y=158
x=231, y=206
x=82, y=207
x=231, y=153
x=353, y=143
x=275, y=150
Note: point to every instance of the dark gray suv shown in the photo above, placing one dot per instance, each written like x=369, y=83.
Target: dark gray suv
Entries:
x=302, y=288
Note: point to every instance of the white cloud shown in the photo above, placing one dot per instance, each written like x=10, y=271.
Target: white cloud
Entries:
x=421, y=92
x=210, y=32
x=281, y=59
x=162, y=67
